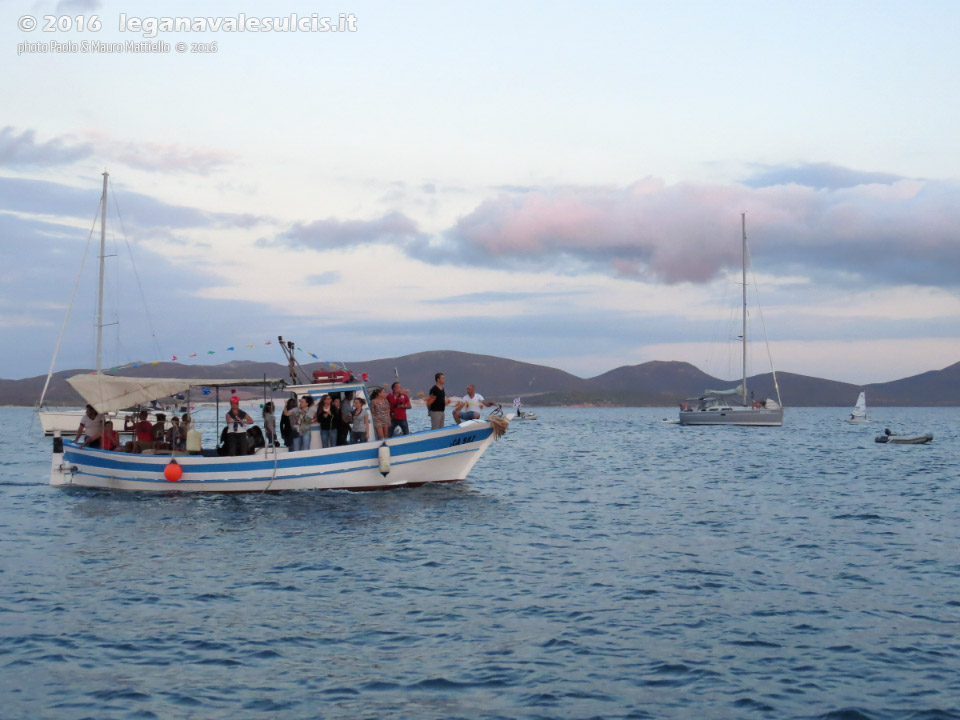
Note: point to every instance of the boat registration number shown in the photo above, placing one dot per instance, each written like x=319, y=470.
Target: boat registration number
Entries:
x=463, y=440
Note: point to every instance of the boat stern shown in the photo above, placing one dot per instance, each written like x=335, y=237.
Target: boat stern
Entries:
x=61, y=473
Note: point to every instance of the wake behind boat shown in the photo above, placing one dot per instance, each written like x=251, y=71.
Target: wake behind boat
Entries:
x=713, y=407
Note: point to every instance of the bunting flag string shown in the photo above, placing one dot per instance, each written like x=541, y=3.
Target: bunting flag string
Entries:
x=232, y=348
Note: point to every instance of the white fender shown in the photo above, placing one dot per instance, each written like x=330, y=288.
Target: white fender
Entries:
x=383, y=455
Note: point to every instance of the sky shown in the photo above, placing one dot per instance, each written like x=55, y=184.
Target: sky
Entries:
x=554, y=182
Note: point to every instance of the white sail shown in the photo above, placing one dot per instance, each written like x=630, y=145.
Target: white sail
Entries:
x=859, y=413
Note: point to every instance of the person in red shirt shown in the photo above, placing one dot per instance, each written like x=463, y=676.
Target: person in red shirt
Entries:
x=142, y=431
x=109, y=439
x=399, y=400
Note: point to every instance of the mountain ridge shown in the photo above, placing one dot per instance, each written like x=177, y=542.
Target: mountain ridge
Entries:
x=656, y=383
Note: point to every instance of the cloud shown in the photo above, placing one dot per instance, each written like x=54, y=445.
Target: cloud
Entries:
x=160, y=157
x=42, y=197
x=331, y=277
x=818, y=176
x=22, y=150
x=498, y=296
x=899, y=231
x=903, y=231
x=78, y=6
x=330, y=234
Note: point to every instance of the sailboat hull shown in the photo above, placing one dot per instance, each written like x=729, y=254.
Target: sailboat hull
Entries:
x=757, y=417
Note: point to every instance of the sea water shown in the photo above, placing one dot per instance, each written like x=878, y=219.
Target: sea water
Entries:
x=599, y=563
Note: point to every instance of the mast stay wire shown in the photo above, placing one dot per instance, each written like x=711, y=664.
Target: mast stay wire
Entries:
x=73, y=296
x=136, y=274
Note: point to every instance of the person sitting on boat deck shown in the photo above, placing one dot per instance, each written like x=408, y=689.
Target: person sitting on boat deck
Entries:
x=159, y=433
x=270, y=424
x=108, y=439
x=91, y=424
x=255, y=440
x=288, y=429
x=177, y=435
x=142, y=434
x=358, y=432
x=399, y=400
x=437, y=402
x=470, y=406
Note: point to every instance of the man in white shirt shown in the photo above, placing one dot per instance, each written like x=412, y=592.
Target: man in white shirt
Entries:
x=469, y=407
x=91, y=425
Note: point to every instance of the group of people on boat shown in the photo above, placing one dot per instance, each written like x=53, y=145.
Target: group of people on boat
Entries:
x=335, y=419
x=99, y=432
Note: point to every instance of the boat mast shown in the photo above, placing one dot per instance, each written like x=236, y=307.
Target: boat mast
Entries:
x=103, y=244
x=743, y=223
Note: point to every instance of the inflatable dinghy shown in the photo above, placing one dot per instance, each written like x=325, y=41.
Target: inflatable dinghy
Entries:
x=894, y=439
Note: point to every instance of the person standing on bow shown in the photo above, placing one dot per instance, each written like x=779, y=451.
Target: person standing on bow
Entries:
x=236, y=420
x=399, y=400
x=437, y=402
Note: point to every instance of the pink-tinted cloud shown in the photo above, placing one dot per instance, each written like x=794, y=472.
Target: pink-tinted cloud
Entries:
x=898, y=230
x=164, y=158
x=647, y=229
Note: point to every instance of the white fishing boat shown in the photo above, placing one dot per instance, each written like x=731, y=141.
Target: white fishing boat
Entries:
x=432, y=456
x=714, y=407
x=859, y=412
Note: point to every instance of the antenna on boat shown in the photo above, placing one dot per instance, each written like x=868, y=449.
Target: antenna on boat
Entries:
x=288, y=348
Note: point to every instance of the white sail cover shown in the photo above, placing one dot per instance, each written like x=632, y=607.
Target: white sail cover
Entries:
x=108, y=392
x=735, y=391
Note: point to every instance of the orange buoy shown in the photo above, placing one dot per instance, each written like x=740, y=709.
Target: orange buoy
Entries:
x=173, y=471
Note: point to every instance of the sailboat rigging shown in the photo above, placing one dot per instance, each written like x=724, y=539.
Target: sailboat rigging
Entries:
x=712, y=408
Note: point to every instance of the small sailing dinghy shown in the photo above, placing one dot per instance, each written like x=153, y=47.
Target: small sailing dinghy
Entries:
x=891, y=438
x=859, y=412
x=522, y=414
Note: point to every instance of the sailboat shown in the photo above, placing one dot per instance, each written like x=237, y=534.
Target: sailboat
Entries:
x=859, y=412
x=56, y=421
x=715, y=407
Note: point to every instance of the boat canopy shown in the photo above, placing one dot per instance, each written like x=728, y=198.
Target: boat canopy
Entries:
x=109, y=392
x=317, y=390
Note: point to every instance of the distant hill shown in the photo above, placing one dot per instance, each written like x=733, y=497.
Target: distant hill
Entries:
x=655, y=384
